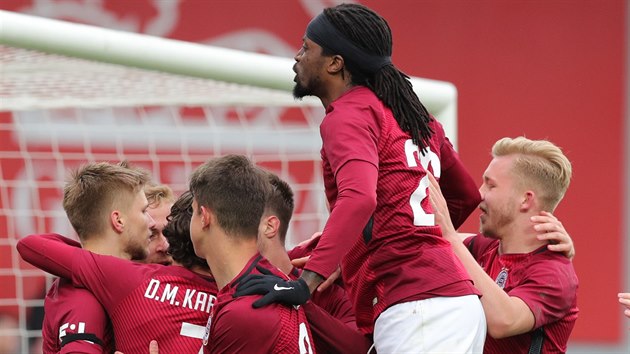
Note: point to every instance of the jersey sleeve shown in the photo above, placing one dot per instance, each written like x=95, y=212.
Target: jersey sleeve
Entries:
x=74, y=321
x=350, y=132
x=355, y=205
x=350, y=139
x=60, y=256
x=85, y=327
x=51, y=253
x=549, y=290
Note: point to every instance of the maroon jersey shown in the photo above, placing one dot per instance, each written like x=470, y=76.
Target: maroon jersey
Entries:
x=74, y=321
x=236, y=327
x=545, y=281
x=332, y=321
x=170, y=304
x=398, y=254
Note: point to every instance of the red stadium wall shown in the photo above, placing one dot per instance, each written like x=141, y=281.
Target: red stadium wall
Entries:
x=544, y=69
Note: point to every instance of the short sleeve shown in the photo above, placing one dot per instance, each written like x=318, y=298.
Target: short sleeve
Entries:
x=549, y=289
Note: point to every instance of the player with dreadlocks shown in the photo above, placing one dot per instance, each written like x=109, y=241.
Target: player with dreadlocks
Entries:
x=378, y=144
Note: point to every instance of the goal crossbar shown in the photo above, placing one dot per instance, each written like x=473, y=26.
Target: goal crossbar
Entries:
x=188, y=59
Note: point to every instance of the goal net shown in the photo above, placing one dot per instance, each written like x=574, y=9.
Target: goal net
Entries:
x=71, y=94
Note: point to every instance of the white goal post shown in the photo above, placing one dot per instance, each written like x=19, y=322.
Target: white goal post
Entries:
x=190, y=59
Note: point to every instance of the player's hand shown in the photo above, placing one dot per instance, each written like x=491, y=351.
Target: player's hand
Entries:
x=440, y=210
x=273, y=288
x=624, y=299
x=330, y=280
x=153, y=348
x=314, y=237
x=550, y=229
x=300, y=262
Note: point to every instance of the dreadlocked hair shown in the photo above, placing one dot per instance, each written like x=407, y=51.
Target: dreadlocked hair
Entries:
x=370, y=31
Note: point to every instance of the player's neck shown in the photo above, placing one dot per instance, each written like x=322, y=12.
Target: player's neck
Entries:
x=104, y=245
x=277, y=255
x=334, y=90
x=519, y=237
x=228, y=258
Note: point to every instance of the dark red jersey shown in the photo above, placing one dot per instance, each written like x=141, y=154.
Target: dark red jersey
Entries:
x=236, y=327
x=397, y=253
x=170, y=304
x=332, y=321
x=74, y=321
x=545, y=281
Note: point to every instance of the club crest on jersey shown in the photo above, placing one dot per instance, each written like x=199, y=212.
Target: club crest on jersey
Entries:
x=502, y=278
x=206, y=334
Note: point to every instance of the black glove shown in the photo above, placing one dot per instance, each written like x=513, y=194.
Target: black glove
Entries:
x=274, y=289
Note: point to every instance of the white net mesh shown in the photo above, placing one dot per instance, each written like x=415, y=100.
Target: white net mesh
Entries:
x=36, y=80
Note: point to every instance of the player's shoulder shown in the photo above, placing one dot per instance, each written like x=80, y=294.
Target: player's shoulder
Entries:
x=240, y=314
x=479, y=244
x=356, y=99
x=549, y=262
x=62, y=291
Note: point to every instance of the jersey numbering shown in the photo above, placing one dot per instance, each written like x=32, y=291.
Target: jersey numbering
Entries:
x=420, y=216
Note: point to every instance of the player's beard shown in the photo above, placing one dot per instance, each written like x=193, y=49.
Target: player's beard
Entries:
x=495, y=220
x=136, y=251
x=309, y=89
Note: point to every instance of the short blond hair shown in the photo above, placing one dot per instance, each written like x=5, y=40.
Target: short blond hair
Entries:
x=158, y=193
x=94, y=188
x=540, y=164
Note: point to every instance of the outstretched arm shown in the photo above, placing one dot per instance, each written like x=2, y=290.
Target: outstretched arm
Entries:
x=458, y=187
x=51, y=253
x=506, y=315
x=355, y=205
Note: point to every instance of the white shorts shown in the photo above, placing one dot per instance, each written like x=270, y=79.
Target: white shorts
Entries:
x=435, y=325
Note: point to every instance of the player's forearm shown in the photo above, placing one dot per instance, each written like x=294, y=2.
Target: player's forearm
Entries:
x=51, y=253
x=312, y=279
x=353, y=209
x=506, y=316
x=460, y=192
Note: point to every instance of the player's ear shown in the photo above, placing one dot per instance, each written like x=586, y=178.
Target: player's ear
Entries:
x=336, y=64
x=270, y=226
x=116, y=220
x=528, y=201
x=207, y=217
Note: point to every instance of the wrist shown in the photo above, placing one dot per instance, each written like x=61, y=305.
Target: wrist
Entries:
x=311, y=279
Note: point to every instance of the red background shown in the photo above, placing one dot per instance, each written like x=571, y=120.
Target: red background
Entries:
x=544, y=69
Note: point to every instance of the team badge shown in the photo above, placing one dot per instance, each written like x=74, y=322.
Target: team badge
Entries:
x=502, y=278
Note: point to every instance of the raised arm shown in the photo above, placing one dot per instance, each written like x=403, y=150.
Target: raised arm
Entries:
x=506, y=315
x=457, y=185
x=51, y=253
x=63, y=257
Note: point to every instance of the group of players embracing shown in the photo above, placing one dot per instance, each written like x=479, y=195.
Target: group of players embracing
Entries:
x=389, y=273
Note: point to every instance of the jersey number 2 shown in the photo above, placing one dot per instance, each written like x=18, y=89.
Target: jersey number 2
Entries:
x=420, y=216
